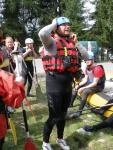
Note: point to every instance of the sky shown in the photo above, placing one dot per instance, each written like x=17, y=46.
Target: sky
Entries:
x=91, y=9
x=90, y=6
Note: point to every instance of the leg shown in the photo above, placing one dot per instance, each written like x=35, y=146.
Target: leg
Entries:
x=105, y=124
x=54, y=103
x=85, y=94
x=24, y=75
x=1, y=143
x=29, y=82
x=103, y=109
x=74, y=94
x=65, y=104
x=61, y=122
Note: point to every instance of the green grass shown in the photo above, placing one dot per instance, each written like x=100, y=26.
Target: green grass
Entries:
x=74, y=139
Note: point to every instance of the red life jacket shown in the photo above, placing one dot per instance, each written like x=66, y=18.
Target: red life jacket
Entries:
x=55, y=63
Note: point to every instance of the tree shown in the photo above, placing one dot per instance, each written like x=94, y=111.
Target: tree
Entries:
x=103, y=27
x=26, y=17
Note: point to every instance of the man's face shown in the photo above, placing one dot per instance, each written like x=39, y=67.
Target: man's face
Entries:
x=30, y=45
x=9, y=43
x=89, y=62
x=64, y=29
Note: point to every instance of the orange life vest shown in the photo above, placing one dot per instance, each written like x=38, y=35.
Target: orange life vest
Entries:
x=55, y=63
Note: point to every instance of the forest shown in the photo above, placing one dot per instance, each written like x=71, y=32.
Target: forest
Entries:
x=24, y=18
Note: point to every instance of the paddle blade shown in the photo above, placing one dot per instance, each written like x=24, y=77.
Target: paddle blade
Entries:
x=29, y=145
x=39, y=94
x=13, y=130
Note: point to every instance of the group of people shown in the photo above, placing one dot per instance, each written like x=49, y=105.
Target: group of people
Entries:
x=8, y=64
x=27, y=54
x=60, y=61
x=60, y=53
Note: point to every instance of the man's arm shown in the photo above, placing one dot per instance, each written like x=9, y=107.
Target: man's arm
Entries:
x=83, y=51
x=46, y=39
x=93, y=84
x=81, y=48
x=85, y=80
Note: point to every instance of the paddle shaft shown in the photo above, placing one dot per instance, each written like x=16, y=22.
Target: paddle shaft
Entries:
x=106, y=105
x=23, y=107
x=73, y=112
x=35, y=70
x=28, y=145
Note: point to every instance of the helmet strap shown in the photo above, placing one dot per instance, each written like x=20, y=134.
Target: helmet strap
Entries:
x=66, y=37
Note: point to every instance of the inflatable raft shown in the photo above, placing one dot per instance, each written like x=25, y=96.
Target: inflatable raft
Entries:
x=98, y=100
x=101, y=99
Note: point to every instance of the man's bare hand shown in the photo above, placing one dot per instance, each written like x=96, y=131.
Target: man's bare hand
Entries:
x=73, y=38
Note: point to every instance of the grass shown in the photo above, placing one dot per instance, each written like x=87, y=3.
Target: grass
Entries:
x=76, y=140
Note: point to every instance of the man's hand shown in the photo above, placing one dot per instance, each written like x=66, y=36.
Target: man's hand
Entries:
x=19, y=79
x=80, y=90
x=29, y=50
x=55, y=23
x=73, y=38
x=76, y=88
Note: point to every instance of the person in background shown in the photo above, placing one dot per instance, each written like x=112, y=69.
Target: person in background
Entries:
x=9, y=47
x=8, y=62
x=3, y=120
x=104, y=124
x=81, y=73
x=16, y=44
x=93, y=82
x=28, y=55
x=60, y=62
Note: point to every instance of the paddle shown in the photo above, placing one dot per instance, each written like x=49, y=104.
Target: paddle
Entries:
x=28, y=145
x=12, y=127
x=30, y=108
x=39, y=93
x=71, y=112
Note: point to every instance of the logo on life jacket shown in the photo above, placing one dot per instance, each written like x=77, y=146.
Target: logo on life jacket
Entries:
x=66, y=58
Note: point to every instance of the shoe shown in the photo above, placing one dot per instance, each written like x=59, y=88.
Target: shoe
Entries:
x=77, y=115
x=89, y=128
x=47, y=147
x=11, y=110
x=63, y=144
x=98, y=111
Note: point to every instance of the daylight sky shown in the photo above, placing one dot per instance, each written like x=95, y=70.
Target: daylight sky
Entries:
x=90, y=9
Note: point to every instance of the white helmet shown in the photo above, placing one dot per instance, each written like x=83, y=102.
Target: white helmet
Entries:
x=29, y=40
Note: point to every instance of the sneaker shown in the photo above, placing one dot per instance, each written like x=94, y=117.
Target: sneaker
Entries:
x=11, y=110
x=89, y=128
x=76, y=115
x=63, y=144
x=47, y=147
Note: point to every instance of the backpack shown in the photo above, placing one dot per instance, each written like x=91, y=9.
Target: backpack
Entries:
x=12, y=92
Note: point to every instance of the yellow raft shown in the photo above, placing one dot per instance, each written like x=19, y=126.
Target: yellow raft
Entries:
x=98, y=100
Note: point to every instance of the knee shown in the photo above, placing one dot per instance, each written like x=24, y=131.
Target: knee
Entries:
x=86, y=93
x=63, y=115
x=54, y=121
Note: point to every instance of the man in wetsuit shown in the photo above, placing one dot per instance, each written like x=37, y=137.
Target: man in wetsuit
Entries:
x=60, y=61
